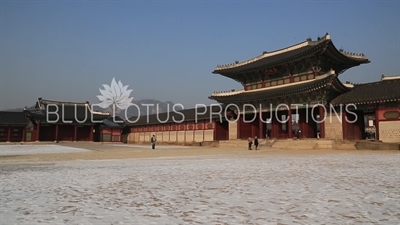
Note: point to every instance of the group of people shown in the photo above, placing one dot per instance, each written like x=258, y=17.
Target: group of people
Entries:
x=251, y=142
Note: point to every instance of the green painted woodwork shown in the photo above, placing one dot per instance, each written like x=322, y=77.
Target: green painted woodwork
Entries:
x=28, y=136
x=391, y=115
x=106, y=137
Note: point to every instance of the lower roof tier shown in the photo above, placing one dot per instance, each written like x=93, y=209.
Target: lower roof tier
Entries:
x=326, y=80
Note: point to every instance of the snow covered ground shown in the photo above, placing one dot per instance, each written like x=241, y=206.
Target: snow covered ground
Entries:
x=37, y=149
x=263, y=189
x=149, y=146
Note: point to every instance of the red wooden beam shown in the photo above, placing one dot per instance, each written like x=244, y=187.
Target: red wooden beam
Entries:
x=260, y=126
x=322, y=124
x=290, y=133
x=344, y=125
x=23, y=134
x=377, y=122
x=239, y=122
x=56, y=138
x=9, y=134
x=38, y=132
x=91, y=133
x=75, y=132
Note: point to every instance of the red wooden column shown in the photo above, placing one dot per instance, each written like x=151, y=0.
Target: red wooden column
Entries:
x=253, y=128
x=290, y=122
x=112, y=139
x=274, y=126
x=56, y=138
x=322, y=124
x=23, y=134
x=377, y=123
x=38, y=132
x=91, y=133
x=239, y=122
x=75, y=132
x=260, y=126
x=9, y=134
x=214, y=127
x=344, y=125
x=272, y=132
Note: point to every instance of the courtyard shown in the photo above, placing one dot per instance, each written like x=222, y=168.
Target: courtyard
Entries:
x=137, y=185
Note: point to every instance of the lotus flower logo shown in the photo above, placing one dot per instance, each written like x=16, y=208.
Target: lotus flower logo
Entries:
x=115, y=94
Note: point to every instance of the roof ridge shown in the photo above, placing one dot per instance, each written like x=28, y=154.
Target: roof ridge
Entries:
x=393, y=77
x=265, y=54
x=61, y=102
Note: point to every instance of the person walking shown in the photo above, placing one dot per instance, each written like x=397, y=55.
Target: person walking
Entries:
x=153, y=142
x=250, y=142
x=296, y=134
x=256, y=142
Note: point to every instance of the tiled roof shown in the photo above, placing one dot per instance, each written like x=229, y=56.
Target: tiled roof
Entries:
x=381, y=91
x=113, y=122
x=293, y=53
x=48, y=111
x=207, y=113
x=278, y=91
x=13, y=118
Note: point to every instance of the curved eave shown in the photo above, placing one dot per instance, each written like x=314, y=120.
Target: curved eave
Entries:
x=324, y=46
x=289, y=56
x=347, y=59
x=339, y=86
x=329, y=80
x=367, y=102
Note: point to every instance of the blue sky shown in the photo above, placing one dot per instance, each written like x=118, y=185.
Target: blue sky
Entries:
x=166, y=50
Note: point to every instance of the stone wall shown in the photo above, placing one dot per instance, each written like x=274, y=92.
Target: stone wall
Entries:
x=333, y=126
x=389, y=131
x=233, y=128
x=189, y=136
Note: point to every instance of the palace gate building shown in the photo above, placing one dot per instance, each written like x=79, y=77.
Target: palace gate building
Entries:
x=292, y=88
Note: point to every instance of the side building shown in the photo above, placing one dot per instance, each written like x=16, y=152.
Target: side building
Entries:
x=54, y=121
x=189, y=126
x=377, y=103
x=14, y=127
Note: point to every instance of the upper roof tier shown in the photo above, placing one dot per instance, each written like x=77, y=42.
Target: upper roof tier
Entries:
x=293, y=53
